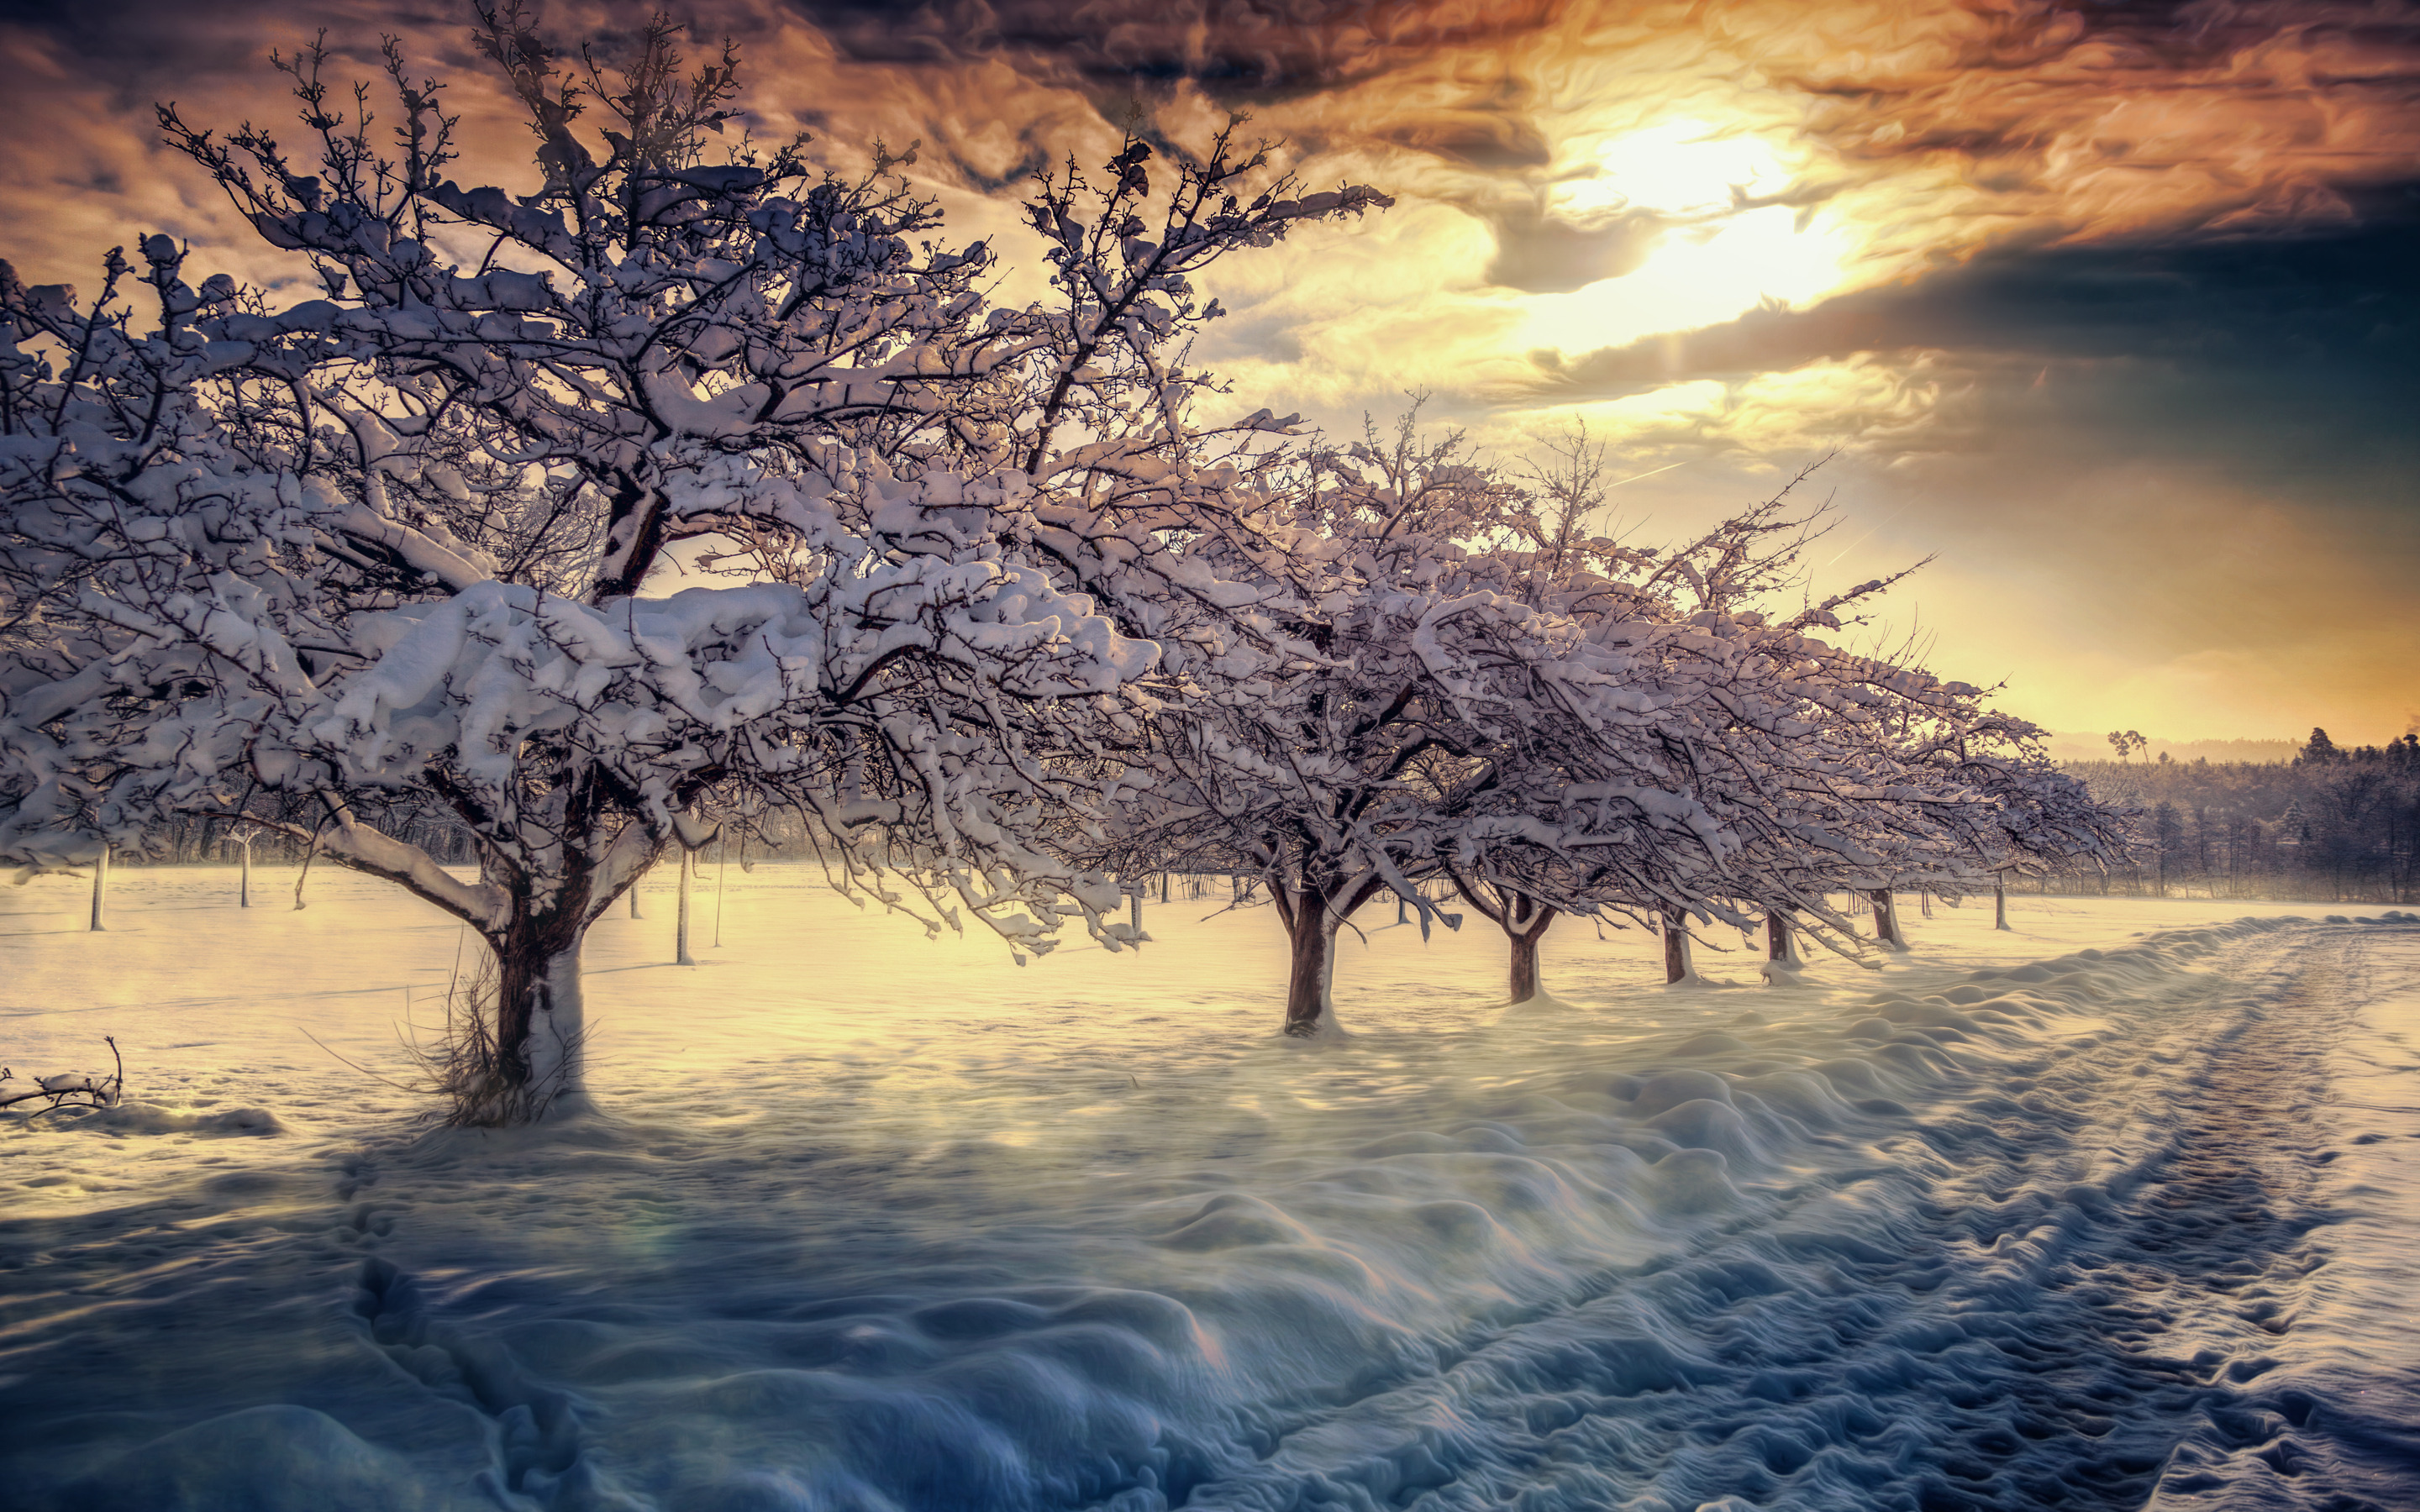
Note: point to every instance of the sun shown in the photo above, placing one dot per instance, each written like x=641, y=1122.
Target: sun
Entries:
x=1718, y=259
x=1680, y=167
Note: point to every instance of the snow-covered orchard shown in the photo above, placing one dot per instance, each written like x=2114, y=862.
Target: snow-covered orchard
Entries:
x=997, y=606
x=986, y=1135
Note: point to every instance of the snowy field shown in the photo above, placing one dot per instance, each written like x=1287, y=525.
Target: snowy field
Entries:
x=2119, y=1210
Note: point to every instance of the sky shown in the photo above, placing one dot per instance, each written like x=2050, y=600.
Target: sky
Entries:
x=2106, y=309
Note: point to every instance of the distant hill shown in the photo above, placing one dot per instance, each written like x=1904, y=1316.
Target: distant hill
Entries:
x=2070, y=745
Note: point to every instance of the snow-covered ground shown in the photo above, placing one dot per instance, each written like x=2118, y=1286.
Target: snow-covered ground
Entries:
x=2116, y=1209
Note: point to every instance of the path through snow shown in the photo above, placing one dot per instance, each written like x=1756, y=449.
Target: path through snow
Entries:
x=2121, y=1226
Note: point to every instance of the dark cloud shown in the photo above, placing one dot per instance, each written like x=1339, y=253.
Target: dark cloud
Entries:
x=2297, y=348
x=1238, y=50
x=137, y=49
x=1471, y=139
x=1542, y=254
x=2097, y=119
x=146, y=49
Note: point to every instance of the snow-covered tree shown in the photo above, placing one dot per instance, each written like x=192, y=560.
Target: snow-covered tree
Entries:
x=1428, y=712
x=1642, y=812
x=406, y=541
x=1776, y=767
x=2041, y=819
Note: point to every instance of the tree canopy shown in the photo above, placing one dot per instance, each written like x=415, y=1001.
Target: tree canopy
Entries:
x=981, y=591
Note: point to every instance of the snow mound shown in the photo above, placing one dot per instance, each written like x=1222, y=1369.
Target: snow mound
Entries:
x=139, y=1117
x=279, y=1459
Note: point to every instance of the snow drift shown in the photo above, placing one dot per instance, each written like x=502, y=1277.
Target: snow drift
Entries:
x=2103, y=1228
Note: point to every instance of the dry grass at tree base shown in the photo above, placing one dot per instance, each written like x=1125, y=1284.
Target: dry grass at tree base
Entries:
x=463, y=1068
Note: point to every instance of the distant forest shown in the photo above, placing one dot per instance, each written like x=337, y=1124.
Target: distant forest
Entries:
x=2335, y=825
x=2067, y=748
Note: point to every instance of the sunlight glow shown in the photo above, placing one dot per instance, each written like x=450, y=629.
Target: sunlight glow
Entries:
x=1698, y=278
x=1675, y=412
x=1679, y=167
x=1813, y=407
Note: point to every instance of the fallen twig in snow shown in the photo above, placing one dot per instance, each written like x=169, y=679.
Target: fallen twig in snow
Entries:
x=76, y=1088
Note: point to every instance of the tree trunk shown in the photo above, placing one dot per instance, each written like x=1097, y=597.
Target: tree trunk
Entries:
x=1886, y=929
x=1779, y=944
x=680, y=930
x=540, y=1019
x=99, y=886
x=1678, y=964
x=1525, y=968
x=244, y=878
x=634, y=895
x=1313, y=915
x=1999, y=902
x=1526, y=921
x=1311, y=972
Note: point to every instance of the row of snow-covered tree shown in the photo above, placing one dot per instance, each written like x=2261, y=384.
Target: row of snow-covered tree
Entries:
x=985, y=600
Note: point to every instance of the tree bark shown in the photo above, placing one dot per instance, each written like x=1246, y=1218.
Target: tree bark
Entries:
x=1678, y=964
x=722, y=875
x=309, y=853
x=1887, y=929
x=1312, y=914
x=100, y=887
x=1523, y=919
x=634, y=895
x=1779, y=944
x=680, y=930
x=1311, y=973
x=1525, y=923
x=1525, y=968
x=1999, y=902
x=540, y=1014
